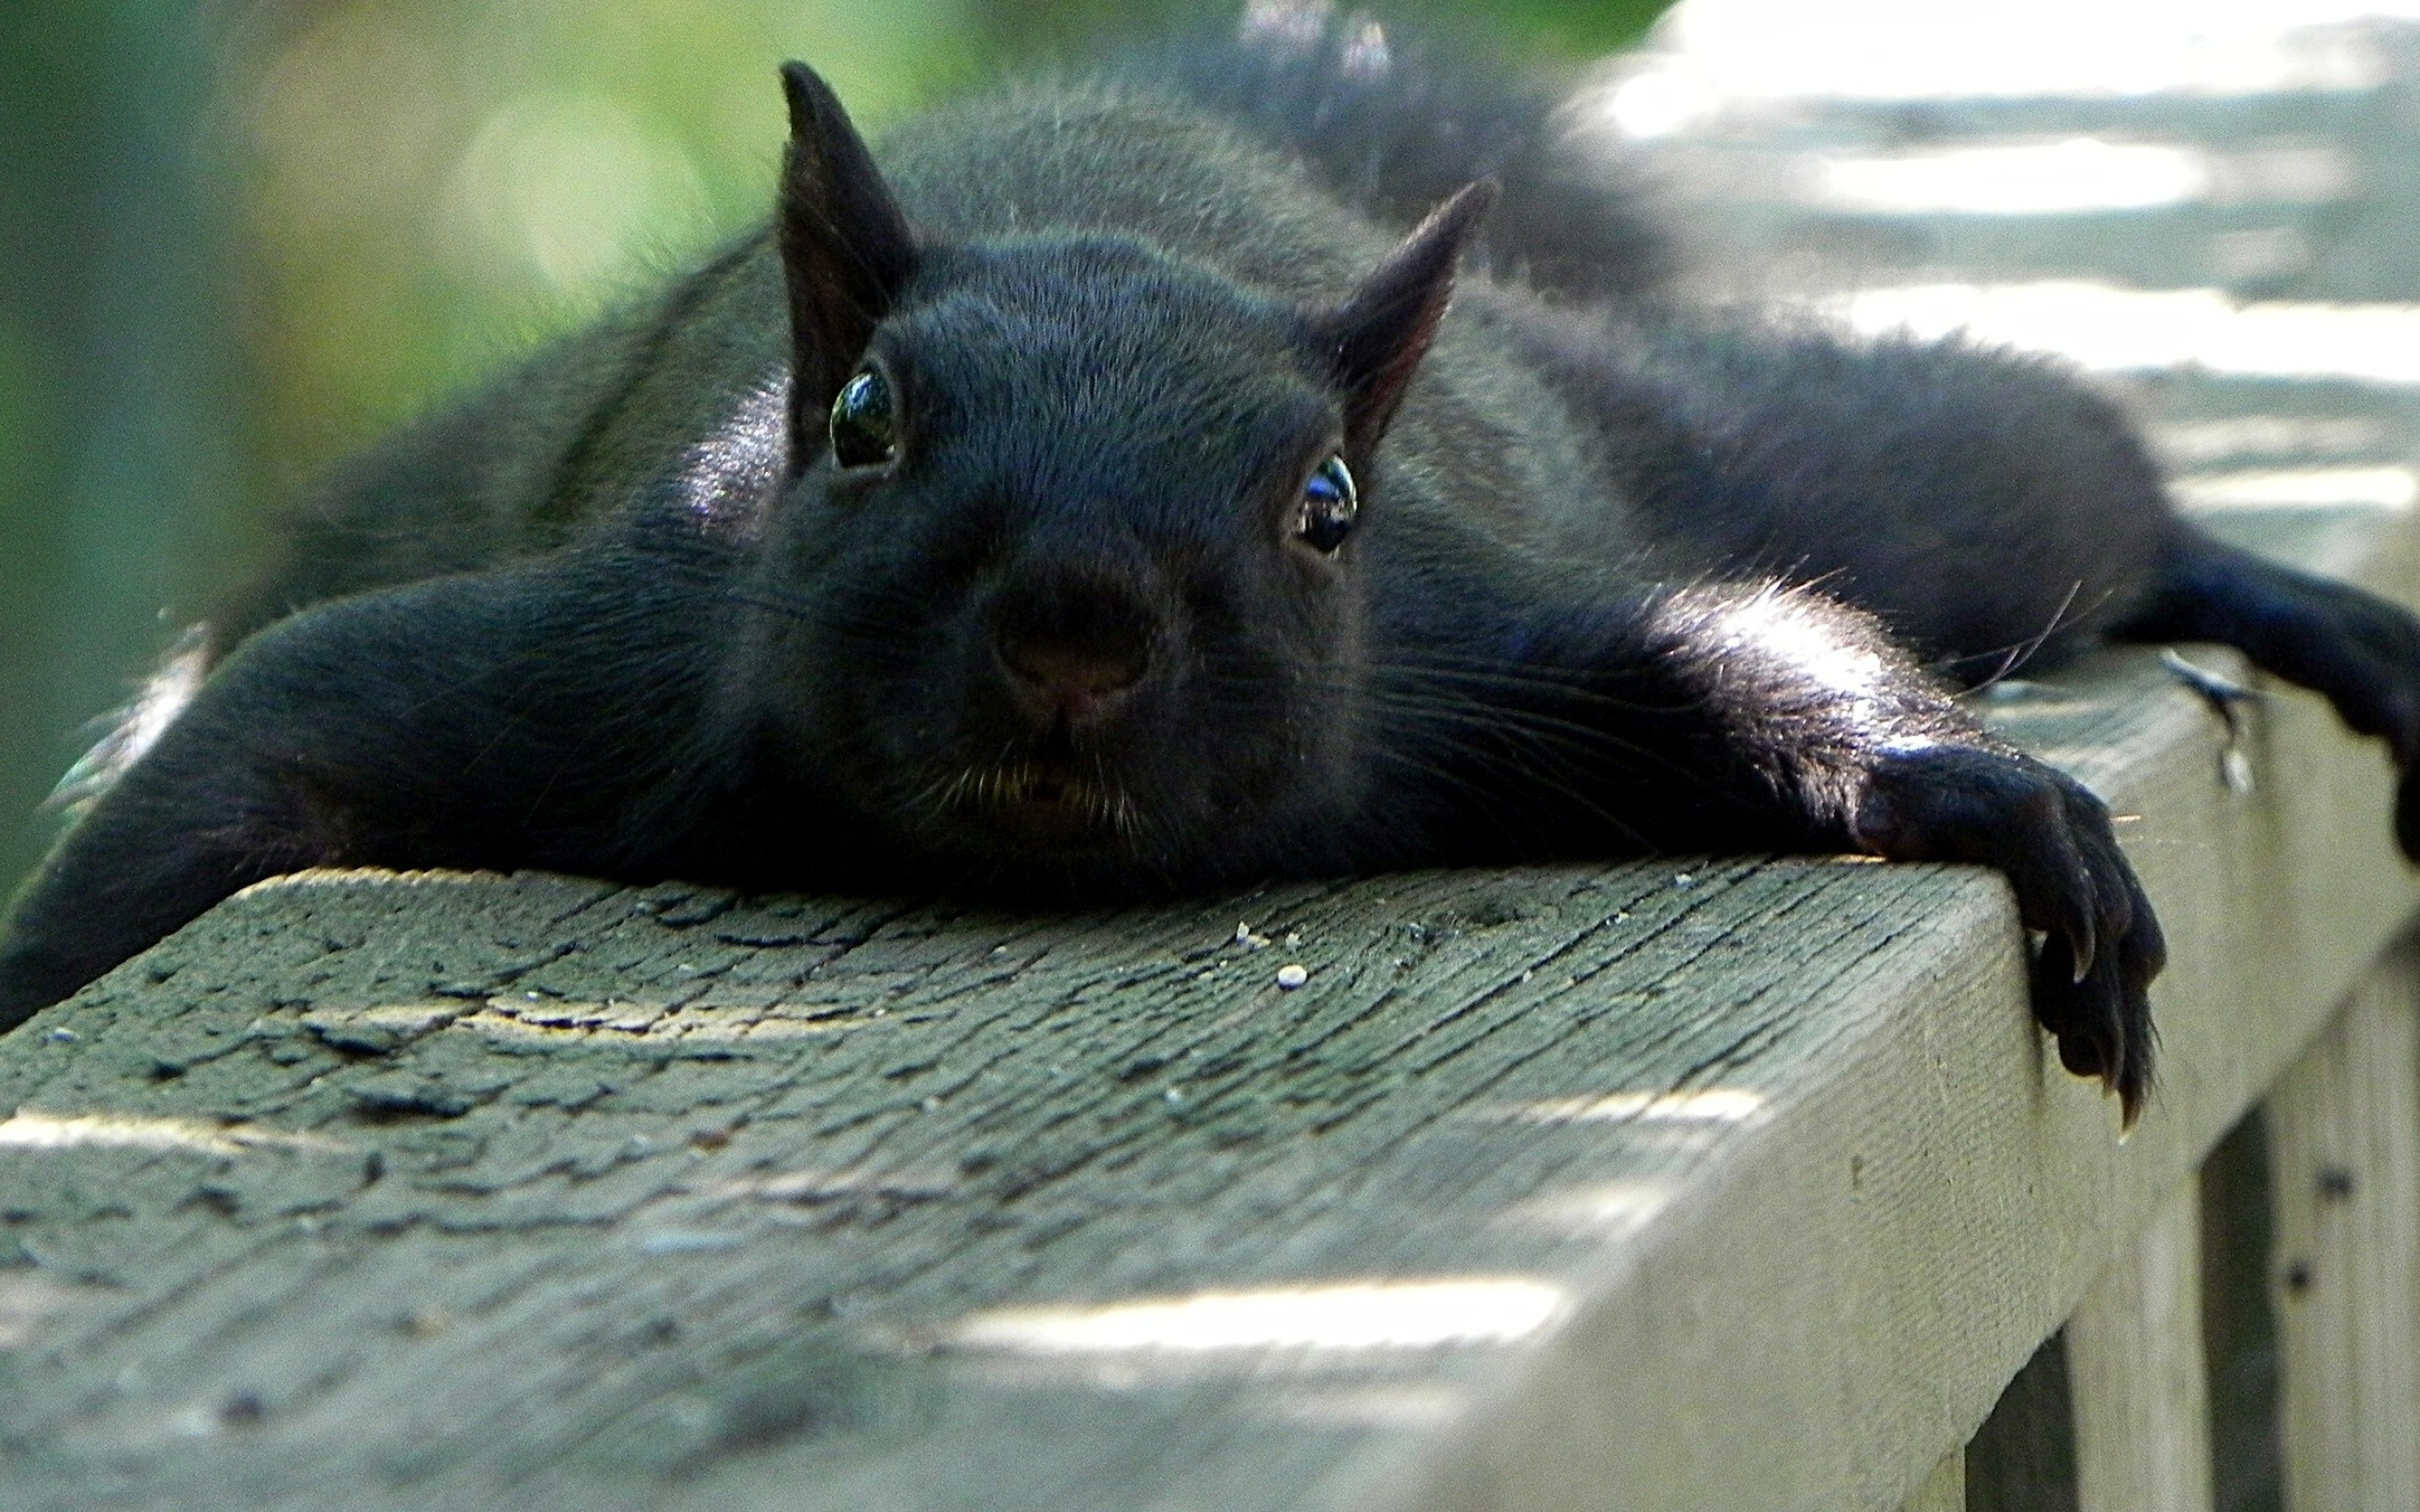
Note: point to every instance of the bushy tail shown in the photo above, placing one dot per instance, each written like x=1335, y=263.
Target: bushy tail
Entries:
x=1392, y=119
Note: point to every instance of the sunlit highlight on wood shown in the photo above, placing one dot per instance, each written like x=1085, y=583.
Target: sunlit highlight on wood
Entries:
x=1405, y=1314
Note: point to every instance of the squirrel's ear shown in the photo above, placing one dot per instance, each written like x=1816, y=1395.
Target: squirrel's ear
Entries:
x=1382, y=332
x=846, y=250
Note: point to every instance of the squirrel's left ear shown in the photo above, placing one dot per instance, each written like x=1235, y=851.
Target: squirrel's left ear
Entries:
x=1382, y=332
x=846, y=250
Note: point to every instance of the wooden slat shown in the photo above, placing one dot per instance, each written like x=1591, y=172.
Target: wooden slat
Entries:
x=2240, y=1322
x=2141, y=1405
x=2344, y=1130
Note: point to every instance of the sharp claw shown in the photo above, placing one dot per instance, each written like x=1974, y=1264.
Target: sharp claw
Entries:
x=2073, y=885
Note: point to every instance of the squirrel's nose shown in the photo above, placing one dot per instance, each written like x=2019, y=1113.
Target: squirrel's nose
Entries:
x=1072, y=639
x=1064, y=683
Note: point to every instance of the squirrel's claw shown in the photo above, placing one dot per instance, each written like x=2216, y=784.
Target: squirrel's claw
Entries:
x=2102, y=944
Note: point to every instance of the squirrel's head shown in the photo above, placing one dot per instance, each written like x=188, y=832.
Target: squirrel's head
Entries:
x=1072, y=570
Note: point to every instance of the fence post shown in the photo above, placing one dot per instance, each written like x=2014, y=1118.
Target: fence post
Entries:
x=2142, y=1401
x=2344, y=1161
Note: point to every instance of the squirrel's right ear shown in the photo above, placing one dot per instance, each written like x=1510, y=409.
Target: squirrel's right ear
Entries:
x=1379, y=334
x=846, y=250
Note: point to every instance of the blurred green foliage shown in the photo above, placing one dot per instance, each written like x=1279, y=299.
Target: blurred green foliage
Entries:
x=239, y=237
x=122, y=487
x=1573, y=28
x=430, y=182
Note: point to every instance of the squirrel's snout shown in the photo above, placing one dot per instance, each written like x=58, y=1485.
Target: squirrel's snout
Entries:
x=1071, y=651
x=1061, y=684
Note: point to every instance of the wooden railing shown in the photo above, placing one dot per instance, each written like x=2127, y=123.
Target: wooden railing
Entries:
x=1729, y=1183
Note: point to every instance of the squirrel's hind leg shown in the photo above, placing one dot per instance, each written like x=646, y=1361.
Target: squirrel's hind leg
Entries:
x=2354, y=648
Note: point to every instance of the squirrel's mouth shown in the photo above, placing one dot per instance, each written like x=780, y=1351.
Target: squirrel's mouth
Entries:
x=1045, y=806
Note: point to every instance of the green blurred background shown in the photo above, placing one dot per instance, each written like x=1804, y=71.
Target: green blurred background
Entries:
x=237, y=238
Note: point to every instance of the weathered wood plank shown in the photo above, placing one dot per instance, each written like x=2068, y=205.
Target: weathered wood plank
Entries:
x=2344, y=1130
x=2141, y=1403
x=478, y=1226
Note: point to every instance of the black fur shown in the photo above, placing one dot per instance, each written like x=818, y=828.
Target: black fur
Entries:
x=846, y=251
x=1392, y=119
x=625, y=613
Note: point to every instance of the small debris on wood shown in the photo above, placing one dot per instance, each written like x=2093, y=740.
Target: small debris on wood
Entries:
x=1292, y=975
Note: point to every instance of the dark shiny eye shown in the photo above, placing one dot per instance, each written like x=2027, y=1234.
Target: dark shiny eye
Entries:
x=1329, y=504
x=864, y=431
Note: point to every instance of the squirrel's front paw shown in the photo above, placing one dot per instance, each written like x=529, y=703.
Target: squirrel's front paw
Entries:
x=2102, y=945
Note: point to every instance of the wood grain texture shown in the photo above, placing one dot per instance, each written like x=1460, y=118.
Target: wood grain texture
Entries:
x=2140, y=1398
x=545, y=1184
x=2344, y=1153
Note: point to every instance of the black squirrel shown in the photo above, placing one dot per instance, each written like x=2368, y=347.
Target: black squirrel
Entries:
x=1085, y=503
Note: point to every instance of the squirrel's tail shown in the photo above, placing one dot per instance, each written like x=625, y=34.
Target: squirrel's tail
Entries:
x=1392, y=119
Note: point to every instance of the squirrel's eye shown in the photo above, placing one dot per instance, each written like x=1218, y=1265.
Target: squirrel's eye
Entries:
x=1329, y=504
x=864, y=432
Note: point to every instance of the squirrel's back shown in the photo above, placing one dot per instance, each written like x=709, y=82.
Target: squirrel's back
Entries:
x=1391, y=118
